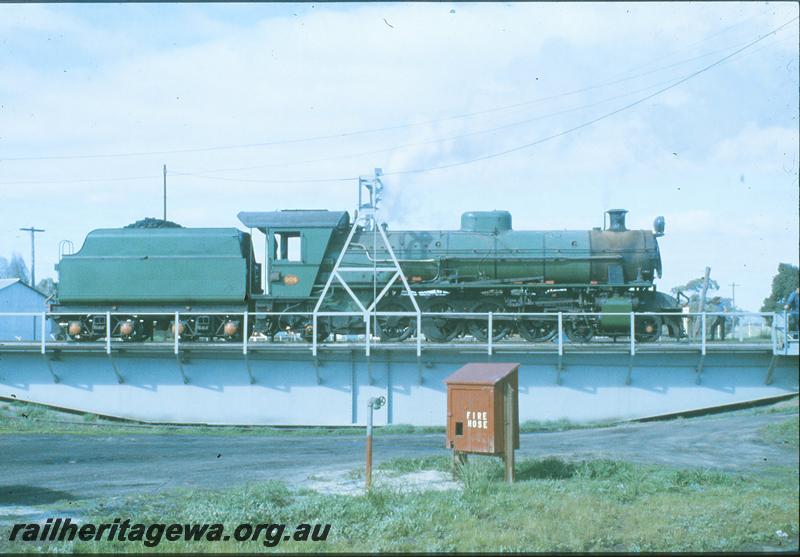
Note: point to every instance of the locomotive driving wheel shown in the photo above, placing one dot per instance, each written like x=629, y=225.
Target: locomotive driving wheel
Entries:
x=323, y=331
x=396, y=328
x=537, y=330
x=648, y=328
x=479, y=328
x=440, y=328
x=579, y=329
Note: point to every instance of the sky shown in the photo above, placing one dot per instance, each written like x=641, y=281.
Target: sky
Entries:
x=553, y=111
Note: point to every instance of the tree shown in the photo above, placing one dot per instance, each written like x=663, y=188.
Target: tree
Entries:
x=694, y=287
x=783, y=284
x=16, y=268
x=47, y=286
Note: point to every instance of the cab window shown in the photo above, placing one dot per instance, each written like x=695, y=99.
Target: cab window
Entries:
x=287, y=246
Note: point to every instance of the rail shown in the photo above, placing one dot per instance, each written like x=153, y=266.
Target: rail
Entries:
x=482, y=330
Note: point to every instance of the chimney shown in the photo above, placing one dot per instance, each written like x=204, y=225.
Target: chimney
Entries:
x=616, y=220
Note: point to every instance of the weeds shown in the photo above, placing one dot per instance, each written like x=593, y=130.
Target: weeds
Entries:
x=783, y=433
x=407, y=465
x=555, y=505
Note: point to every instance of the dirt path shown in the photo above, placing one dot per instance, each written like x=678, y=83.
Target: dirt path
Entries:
x=42, y=469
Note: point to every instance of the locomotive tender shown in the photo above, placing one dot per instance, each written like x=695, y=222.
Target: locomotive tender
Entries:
x=145, y=275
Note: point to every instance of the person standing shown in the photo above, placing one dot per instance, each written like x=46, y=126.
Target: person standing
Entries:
x=793, y=307
x=718, y=321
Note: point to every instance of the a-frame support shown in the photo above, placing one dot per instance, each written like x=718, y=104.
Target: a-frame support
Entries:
x=368, y=219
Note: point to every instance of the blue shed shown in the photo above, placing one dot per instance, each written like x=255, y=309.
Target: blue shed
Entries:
x=18, y=297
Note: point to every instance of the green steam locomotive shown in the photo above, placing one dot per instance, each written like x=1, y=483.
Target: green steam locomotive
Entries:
x=145, y=274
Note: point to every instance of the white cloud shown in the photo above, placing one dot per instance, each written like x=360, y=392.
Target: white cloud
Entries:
x=335, y=70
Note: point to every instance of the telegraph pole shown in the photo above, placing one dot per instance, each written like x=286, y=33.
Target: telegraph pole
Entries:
x=165, y=192
x=733, y=286
x=33, y=231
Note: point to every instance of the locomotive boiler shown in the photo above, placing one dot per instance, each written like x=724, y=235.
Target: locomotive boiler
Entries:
x=526, y=277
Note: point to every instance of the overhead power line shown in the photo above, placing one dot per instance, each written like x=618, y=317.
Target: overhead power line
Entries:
x=599, y=118
x=671, y=85
x=562, y=133
x=204, y=172
x=371, y=130
x=428, y=141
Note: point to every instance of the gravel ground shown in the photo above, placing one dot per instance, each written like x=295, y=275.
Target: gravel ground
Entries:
x=43, y=469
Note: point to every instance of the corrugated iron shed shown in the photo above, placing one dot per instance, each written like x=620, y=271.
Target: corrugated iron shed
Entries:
x=18, y=297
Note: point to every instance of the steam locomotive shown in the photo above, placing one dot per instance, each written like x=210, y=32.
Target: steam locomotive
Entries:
x=144, y=274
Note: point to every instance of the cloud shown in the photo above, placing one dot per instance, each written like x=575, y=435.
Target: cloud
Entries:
x=772, y=145
x=229, y=76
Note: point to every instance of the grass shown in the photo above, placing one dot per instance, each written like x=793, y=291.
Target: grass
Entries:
x=398, y=466
x=783, y=433
x=784, y=407
x=563, y=424
x=556, y=505
x=23, y=417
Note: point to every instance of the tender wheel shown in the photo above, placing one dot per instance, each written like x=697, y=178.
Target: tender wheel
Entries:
x=438, y=328
x=579, y=330
x=183, y=329
x=479, y=328
x=130, y=330
x=648, y=328
x=396, y=328
x=537, y=330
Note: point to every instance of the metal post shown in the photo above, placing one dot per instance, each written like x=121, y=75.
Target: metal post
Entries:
x=314, y=334
x=165, y=192
x=703, y=342
x=367, y=336
x=508, y=425
x=785, y=331
x=373, y=404
x=108, y=332
x=491, y=334
x=633, y=335
x=44, y=330
x=266, y=262
x=773, y=332
x=176, y=331
x=419, y=334
x=244, y=335
x=560, y=334
x=368, y=471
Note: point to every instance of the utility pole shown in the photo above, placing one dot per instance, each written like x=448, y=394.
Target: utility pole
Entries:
x=33, y=231
x=733, y=294
x=165, y=192
x=698, y=323
x=705, y=289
